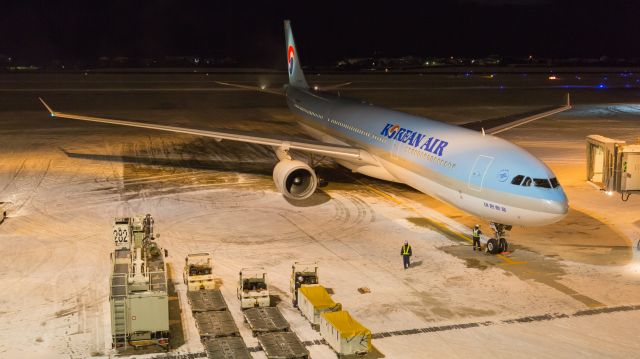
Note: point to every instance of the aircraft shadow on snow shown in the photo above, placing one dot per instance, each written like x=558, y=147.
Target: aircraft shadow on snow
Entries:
x=261, y=165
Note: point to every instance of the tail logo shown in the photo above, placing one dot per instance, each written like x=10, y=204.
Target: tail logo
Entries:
x=290, y=59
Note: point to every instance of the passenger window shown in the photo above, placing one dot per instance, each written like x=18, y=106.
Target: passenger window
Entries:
x=554, y=182
x=527, y=182
x=517, y=180
x=541, y=182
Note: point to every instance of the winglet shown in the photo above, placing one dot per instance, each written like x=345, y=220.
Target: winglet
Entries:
x=51, y=112
x=568, y=99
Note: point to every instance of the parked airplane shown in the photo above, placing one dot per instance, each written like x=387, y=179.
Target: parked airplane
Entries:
x=465, y=166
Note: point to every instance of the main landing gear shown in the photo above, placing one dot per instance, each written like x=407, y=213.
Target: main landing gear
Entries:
x=498, y=244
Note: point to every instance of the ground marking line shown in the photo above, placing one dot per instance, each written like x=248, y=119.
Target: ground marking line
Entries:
x=520, y=320
x=434, y=329
x=512, y=263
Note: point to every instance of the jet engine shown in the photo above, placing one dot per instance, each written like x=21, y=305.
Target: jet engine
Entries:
x=295, y=179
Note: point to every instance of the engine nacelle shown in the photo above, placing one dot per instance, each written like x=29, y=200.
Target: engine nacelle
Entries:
x=295, y=179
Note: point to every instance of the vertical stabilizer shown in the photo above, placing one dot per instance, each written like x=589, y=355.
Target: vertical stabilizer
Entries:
x=294, y=69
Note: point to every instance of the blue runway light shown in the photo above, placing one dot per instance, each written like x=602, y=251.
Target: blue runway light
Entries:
x=573, y=86
x=601, y=86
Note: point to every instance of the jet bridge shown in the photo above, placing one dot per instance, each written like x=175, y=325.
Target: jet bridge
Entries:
x=613, y=165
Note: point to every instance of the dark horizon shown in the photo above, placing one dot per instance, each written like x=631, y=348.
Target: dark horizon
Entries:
x=252, y=34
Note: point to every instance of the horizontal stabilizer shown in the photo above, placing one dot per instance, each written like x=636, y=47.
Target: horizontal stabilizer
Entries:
x=251, y=88
x=331, y=87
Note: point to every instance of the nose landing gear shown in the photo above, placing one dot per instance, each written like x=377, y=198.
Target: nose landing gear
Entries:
x=498, y=244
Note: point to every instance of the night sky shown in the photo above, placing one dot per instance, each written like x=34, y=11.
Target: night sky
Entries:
x=325, y=31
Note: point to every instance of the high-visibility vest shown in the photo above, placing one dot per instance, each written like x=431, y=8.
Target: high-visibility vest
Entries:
x=476, y=233
x=405, y=249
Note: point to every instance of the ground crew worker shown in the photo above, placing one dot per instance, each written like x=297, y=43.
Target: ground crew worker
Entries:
x=406, y=253
x=476, y=237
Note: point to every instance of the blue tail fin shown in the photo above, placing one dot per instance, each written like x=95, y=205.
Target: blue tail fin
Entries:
x=294, y=69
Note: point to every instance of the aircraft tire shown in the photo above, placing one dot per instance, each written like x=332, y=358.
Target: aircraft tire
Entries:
x=492, y=246
x=503, y=245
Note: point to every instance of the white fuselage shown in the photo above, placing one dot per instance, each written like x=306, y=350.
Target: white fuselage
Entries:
x=458, y=166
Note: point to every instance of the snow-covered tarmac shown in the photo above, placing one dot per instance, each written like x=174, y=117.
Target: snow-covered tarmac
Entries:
x=566, y=290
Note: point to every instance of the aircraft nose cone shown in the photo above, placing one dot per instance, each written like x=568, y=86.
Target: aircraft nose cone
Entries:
x=560, y=207
x=557, y=204
x=551, y=209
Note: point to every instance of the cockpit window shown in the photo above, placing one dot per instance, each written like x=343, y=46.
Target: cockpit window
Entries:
x=521, y=180
x=541, y=182
x=517, y=180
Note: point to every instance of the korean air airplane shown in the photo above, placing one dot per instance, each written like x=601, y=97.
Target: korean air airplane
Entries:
x=465, y=166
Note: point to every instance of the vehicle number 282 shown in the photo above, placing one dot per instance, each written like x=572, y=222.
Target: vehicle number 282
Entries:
x=120, y=235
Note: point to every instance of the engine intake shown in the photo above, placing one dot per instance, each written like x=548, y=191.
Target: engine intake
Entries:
x=295, y=179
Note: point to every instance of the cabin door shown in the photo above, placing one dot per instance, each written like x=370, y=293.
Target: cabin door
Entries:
x=479, y=171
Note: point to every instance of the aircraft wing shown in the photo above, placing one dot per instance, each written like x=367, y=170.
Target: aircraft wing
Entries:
x=496, y=125
x=352, y=154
